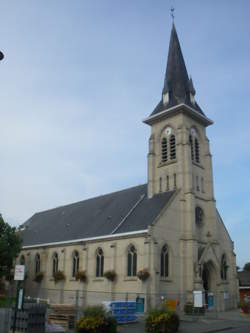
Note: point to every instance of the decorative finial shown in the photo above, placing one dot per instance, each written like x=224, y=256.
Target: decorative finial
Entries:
x=172, y=13
x=1, y=55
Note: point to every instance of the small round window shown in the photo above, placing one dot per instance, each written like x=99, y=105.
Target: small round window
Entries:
x=199, y=216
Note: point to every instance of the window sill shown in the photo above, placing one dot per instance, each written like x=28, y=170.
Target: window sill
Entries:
x=130, y=278
x=162, y=164
x=72, y=279
x=198, y=165
x=166, y=280
x=98, y=279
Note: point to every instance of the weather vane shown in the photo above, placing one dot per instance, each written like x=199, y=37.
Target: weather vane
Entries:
x=172, y=12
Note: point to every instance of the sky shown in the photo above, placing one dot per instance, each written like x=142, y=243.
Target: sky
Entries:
x=79, y=77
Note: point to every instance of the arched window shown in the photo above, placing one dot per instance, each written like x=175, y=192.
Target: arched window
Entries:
x=164, y=261
x=223, y=270
x=37, y=263
x=202, y=185
x=167, y=183
x=197, y=150
x=99, y=262
x=175, y=181
x=75, y=262
x=191, y=146
x=199, y=216
x=172, y=147
x=160, y=185
x=22, y=260
x=54, y=263
x=164, y=150
x=132, y=261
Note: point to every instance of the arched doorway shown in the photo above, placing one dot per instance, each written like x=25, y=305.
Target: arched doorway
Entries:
x=209, y=279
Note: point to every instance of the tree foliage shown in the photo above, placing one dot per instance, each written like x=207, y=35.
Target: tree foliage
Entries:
x=10, y=246
x=247, y=267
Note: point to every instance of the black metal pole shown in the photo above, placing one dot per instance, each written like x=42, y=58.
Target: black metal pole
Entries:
x=16, y=305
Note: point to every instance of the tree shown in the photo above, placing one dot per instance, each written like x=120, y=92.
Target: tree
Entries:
x=10, y=246
x=247, y=267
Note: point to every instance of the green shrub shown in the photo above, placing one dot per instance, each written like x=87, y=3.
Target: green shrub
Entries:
x=245, y=306
x=96, y=320
x=81, y=276
x=143, y=274
x=38, y=277
x=59, y=276
x=162, y=321
x=110, y=275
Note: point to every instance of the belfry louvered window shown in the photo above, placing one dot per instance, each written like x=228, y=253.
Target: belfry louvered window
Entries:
x=99, y=262
x=191, y=146
x=197, y=150
x=164, y=261
x=132, y=261
x=164, y=150
x=172, y=147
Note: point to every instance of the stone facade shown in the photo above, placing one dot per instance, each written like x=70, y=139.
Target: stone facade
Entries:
x=200, y=252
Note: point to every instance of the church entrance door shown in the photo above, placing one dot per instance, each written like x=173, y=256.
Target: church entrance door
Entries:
x=208, y=278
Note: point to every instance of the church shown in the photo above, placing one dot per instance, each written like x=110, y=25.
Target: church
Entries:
x=163, y=239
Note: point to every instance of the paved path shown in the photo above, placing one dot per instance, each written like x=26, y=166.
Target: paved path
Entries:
x=231, y=322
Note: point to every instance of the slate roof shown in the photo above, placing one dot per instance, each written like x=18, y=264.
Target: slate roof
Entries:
x=176, y=82
x=119, y=212
x=244, y=278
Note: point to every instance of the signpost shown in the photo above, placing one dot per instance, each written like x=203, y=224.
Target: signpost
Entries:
x=19, y=277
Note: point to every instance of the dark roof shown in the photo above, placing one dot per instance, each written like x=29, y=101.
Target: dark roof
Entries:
x=96, y=217
x=244, y=278
x=177, y=83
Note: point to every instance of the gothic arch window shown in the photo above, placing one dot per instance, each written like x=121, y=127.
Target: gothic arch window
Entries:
x=223, y=269
x=194, y=146
x=37, y=263
x=199, y=216
x=54, y=263
x=164, y=261
x=75, y=263
x=191, y=146
x=99, y=262
x=132, y=261
x=160, y=185
x=167, y=183
x=202, y=185
x=164, y=150
x=172, y=147
x=175, y=185
x=22, y=260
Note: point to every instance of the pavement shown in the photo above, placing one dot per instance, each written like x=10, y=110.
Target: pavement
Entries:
x=230, y=321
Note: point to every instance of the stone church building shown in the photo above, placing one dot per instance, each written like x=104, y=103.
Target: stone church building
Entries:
x=168, y=227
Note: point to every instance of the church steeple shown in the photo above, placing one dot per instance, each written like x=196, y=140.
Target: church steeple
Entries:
x=178, y=87
x=176, y=77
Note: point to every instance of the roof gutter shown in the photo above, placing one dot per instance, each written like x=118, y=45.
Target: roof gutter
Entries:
x=180, y=107
x=73, y=241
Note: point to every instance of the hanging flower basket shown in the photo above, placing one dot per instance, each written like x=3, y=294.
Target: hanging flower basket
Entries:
x=143, y=274
x=81, y=276
x=110, y=275
x=59, y=276
x=38, y=277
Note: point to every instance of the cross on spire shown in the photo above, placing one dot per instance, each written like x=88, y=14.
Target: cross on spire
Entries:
x=172, y=9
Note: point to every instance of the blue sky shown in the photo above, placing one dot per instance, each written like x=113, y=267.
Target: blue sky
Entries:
x=78, y=78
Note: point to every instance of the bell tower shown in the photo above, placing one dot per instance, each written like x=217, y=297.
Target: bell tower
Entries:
x=179, y=156
x=179, y=159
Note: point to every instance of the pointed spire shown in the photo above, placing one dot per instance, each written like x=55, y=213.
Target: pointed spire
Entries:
x=178, y=88
x=176, y=78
